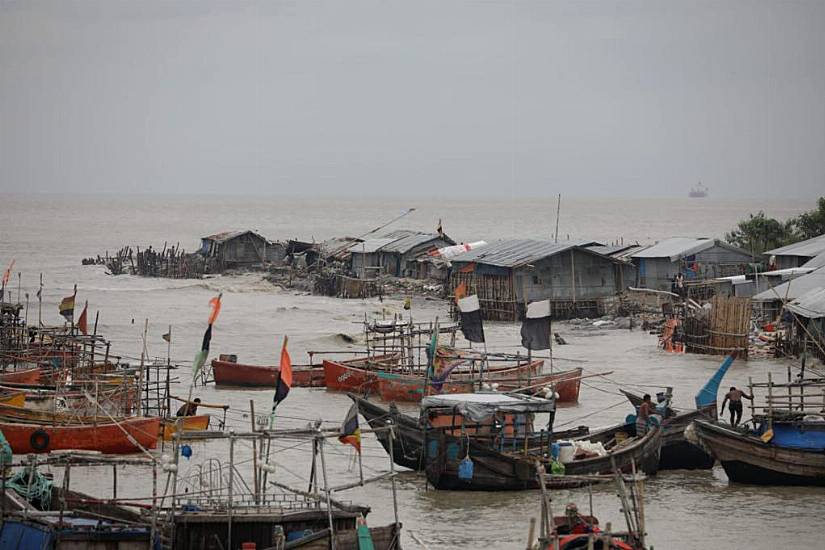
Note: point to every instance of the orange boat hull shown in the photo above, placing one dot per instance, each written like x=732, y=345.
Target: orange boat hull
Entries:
x=190, y=423
x=411, y=388
x=340, y=377
x=565, y=383
x=396, y=387
x=357, y=375
x=568, y=384
x=28, y=376
x=227, y=373
x=105, y=438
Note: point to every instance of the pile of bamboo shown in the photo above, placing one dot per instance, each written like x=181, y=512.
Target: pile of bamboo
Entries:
x=728, y=325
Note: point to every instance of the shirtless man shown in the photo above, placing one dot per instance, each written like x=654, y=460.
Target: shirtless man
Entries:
x=645, y=410
x=735, y=397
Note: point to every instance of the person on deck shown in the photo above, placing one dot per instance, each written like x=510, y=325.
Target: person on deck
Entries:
x=645, y=410
x=680, y=284
x=735, y=397
x=190, y=408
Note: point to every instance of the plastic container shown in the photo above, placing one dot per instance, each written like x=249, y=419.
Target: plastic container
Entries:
x=566, y=451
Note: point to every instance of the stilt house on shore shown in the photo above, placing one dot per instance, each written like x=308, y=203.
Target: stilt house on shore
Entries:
x=807, y=331
x=508, y=274
x=241, y=249
x=395, y=253
x=796, y=254
x=695, y=258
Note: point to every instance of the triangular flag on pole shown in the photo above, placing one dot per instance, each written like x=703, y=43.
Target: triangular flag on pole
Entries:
x=283, y=383
x=67, y=308
x=350, y=431
x=82, y=324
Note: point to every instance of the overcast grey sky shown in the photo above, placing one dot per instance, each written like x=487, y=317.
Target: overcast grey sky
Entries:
x=417, y=97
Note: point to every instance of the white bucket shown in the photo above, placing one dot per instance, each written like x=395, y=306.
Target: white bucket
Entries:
x=566, y=452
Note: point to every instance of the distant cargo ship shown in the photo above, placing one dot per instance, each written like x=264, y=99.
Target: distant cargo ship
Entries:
x=698, y=192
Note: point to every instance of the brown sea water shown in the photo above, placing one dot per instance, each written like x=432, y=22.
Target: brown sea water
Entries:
x=684, y=510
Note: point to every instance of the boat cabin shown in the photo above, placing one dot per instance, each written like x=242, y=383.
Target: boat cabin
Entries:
x=484, y=414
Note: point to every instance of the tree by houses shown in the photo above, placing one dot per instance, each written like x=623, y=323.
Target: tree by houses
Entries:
x=759, y=233
x=812, y=223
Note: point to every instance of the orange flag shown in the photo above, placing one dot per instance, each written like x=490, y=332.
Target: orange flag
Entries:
x=82, y=324
x=286, y=365
x=284, y=382
x=216, y=308
x=7, y=273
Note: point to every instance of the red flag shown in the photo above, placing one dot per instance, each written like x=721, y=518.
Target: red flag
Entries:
x=81, y=322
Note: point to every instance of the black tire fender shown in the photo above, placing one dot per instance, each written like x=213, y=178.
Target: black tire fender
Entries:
x=39, y=440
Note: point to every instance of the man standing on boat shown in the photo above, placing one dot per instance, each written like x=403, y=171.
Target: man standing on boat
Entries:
x=735, y=397
x=645, y=410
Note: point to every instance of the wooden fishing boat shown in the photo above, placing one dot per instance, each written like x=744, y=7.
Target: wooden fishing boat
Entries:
x=27, y=376
x=385, y=537
x=407, y=442
x=120, y=437
x=565, y=384
x=747, y=458
x=504, y=466
x=574, y=530
x=117, y=401
x=411, y=388
x=677, y=452
x=230, y=373
x=169, y=426
x=358, y=375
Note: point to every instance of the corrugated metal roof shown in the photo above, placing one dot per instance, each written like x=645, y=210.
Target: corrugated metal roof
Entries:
x=794, y=288
x=809, y=248
x=370, y=245
x=810, y=305
x=229, y=235
x=679, y=247
x=516, y=252
x=627, y=255
x=611, y=250
x=407, y=243
x=676, y=247
x=398, y=233
x=816, y=261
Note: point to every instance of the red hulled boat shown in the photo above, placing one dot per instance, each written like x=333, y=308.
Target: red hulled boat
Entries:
x=231, y=373
x=358, y=375
x=27, y=376
x=406, y=387
x=109, y=438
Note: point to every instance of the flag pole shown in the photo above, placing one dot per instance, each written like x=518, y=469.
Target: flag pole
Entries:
x=140, y=374
x=40, y=303
x=19, y=285
x=360, y=462
x=74, y=297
